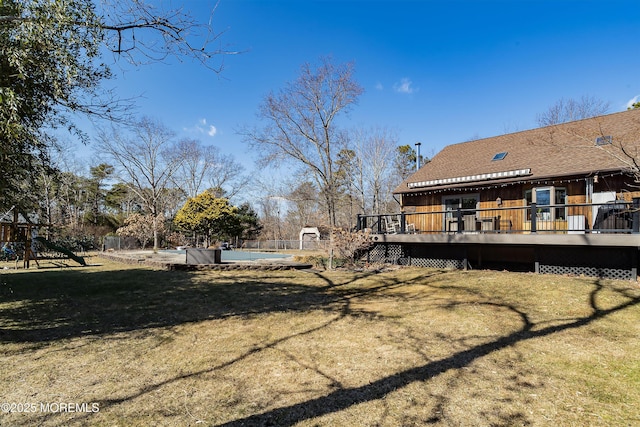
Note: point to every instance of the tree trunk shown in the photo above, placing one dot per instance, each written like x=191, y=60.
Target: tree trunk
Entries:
x=155, y=231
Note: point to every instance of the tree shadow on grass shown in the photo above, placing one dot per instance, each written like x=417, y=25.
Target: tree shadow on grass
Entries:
x=53, y=305
x=345, y=398
x=46, y=306
x=77, y=304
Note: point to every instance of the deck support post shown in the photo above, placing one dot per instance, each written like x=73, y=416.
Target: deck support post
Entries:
x=534, y=217
x=635, y=217
x=465, y=259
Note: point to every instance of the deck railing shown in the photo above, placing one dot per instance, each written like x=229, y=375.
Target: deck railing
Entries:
x=613, y=217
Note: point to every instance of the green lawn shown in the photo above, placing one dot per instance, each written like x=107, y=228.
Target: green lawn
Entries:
x=121, y=345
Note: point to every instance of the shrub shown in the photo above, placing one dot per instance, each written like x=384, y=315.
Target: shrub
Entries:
x=349, y=246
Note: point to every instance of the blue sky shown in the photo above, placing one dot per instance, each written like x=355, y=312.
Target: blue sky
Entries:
x=438, y=72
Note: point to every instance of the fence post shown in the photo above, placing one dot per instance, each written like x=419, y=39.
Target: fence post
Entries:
x=379, y=224
x=635, y=218
x=534, y=225
x=403, y=223
x=459, y=219
x=359, y=223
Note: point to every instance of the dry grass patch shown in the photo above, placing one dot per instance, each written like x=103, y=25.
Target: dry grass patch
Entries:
x=403, y=347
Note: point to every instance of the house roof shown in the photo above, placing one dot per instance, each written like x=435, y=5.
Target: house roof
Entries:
x=580, y=148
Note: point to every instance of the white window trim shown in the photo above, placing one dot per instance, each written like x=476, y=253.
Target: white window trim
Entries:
x=552, y=199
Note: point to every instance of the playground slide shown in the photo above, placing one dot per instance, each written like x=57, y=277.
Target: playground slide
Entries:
x=62, y=250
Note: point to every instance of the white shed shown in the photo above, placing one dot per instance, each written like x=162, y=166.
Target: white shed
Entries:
x=308, y=234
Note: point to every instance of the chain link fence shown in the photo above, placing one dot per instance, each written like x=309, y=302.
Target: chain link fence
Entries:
x=275, y=245
x=117, y=243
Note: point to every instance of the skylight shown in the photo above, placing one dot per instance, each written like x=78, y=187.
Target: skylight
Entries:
x=499, y=156
x=604, y=140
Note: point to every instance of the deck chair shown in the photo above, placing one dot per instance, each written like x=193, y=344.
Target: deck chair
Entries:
x=470, y=223
x=390, y=226
x=394, y=228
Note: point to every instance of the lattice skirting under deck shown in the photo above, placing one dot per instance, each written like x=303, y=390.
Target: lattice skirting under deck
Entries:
x=604, y=262
x=610, y=263
x=422, y=257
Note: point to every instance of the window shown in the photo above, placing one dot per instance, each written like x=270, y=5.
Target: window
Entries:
x=545, y=199
x=468, y=203
x=560, y=199
x=499, y=156
x=452, y=203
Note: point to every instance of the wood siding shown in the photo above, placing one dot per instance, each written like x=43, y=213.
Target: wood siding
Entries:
x=502, y=207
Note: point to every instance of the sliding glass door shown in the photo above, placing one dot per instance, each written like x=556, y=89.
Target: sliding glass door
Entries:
x=452, y=203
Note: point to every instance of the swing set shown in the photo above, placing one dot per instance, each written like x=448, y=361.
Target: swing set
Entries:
x=22, y=237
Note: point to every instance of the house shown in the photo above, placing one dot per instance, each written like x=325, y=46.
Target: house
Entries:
x=558, y=199
x=589, y=161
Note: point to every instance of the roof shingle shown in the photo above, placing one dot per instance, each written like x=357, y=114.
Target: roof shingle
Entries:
x=555, y=151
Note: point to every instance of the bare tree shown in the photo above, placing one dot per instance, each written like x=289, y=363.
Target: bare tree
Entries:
x=201, y=166
x=143, y=163
x=568, y=110
x=303, y=200
x=351, y=186
x=300, y=124
x=269, y=212
x=367, y=170
x=228, y=176
x=376, y=150
x=197, y=161
x=49, y=179
x=165, y=33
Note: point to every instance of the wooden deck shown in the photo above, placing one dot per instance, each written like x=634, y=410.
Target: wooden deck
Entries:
x=620, y=217
x=603, y=255
x=513, y=239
